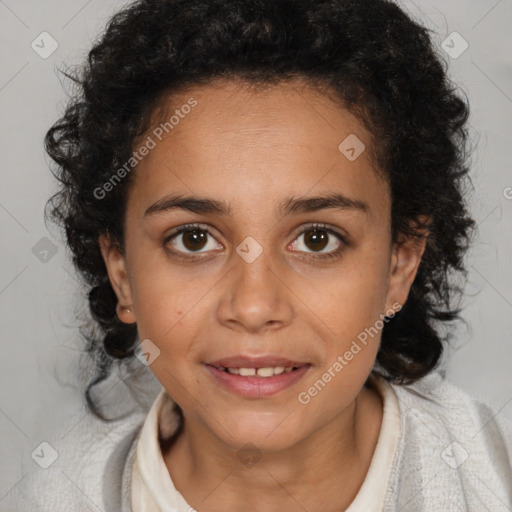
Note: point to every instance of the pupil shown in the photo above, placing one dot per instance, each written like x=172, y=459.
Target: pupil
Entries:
x=317, y=238
x=192, y=238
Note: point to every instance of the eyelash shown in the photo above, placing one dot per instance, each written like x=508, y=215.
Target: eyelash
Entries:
x=310, y=227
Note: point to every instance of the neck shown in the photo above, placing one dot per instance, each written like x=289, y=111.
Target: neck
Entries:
x=322, y=471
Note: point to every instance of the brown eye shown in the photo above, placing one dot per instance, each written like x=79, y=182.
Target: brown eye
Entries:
x=190, y=239
x=317, y=238
x=194, y=240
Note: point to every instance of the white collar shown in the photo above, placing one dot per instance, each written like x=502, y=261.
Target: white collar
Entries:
x=152, y=488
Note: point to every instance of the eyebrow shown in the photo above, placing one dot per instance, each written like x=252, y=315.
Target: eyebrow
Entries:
x=290, y=205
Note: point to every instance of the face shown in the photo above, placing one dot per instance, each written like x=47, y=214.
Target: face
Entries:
x=264, y=272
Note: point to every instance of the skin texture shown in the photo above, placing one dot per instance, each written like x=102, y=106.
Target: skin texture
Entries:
x=252, y=149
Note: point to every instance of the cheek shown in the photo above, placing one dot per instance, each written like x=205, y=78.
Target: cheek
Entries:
x=352, y=324
x=168, y=316
x=352, y=297
x=166, y=299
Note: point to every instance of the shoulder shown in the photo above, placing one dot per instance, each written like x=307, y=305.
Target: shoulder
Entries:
x=83, y=465
x=445, y=410
x=68, y=473
x=453, y=449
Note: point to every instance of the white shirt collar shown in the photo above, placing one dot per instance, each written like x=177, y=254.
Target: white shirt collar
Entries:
x=152, y=487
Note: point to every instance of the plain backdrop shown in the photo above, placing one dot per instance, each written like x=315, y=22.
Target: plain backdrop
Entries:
x=39, y=294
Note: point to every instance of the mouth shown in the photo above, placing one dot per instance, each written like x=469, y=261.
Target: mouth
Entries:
x=263, y=372
x=257, y=377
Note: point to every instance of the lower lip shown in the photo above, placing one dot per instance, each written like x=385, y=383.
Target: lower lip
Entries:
x=257, y=387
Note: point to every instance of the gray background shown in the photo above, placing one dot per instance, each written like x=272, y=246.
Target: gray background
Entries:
x=39, y=300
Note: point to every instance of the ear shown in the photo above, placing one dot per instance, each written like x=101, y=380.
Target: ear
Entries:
x=405, y=260
x=115, y=262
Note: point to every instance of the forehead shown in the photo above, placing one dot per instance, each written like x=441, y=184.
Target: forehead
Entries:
x=251, y=146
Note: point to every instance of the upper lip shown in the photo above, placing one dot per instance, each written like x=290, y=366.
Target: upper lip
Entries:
x=255, y=362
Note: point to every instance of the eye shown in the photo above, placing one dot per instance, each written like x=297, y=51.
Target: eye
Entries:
x=318, y=237
x=190, y=239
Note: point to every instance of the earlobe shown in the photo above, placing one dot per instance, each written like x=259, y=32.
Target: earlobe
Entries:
x=125, y=313
x=115, y=263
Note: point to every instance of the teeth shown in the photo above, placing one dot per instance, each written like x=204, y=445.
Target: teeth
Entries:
x=265, y=372
x=245, y=372
x=260, y=372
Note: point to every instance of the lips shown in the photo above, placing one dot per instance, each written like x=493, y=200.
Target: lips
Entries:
x=257, y=376
x=256, y=386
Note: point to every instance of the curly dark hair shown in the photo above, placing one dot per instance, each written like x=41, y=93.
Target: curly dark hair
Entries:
x=382, y=66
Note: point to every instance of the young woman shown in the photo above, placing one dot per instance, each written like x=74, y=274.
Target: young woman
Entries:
x=265, y=201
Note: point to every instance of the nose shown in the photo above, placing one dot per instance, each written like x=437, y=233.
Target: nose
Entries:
x=256, y=298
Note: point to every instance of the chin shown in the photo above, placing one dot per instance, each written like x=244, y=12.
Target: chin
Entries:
x=269, y=434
